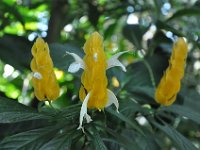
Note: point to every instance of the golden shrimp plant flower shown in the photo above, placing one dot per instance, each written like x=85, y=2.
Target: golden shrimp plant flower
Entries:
x=44, y=79
x=93, y=92
x=170, y=83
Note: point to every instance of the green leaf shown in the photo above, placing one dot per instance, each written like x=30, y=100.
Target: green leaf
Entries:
x=162, y=25
x=8, y=129
x=143, y=76
x=138, y=73
x=191, y=98
x=121, y=140
x=184, y=12
x=16, y=51
x=184, y=111
x=11, y=111
x=181, y=142
x=143, y=94
x=97, y=141
x=60, y=142
x=134, y=34
x=131, y=106
x=59, y=57
x=68, y=113
x=30, y=140
x=141, y=142
x=125, y=119
x=110, y=30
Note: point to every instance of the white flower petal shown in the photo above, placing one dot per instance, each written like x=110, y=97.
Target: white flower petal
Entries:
x=95, y=56
x=75, y=66
x=37, y=75
x=113, y=61
x=83, y=112
x=112, y=99
x=88, y=118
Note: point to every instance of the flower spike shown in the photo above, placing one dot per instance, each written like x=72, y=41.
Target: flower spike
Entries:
x=170, y=83
x=93, y=92
x=44, y=79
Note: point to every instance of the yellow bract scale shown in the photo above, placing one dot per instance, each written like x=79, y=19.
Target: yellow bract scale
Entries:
x=94, y=78
x=170, y=83
x=46, y=87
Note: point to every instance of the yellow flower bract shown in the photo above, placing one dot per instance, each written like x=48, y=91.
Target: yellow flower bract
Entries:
x=170, y=83
x=46, y=87
x=94, y=78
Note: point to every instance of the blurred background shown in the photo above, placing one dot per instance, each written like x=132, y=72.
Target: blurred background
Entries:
x=147, y=28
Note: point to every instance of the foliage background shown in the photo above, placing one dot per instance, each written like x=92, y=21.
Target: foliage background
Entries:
x=146, y=27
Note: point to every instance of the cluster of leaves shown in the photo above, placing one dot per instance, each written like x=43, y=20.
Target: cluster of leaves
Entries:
x=49, y=128
x=141, y=123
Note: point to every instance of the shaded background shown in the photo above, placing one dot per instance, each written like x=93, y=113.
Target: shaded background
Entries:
x=146, y=28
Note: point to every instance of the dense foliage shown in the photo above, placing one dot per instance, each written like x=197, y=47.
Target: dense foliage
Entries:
x=146, y=28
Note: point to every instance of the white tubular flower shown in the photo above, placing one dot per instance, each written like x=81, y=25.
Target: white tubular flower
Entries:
x=75, y=66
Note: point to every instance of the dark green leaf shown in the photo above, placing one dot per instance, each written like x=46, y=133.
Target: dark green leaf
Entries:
x=139, y=74
x=30, y=140
x=134, y=34
x=139, y=141
x=181, y=142
x=60, y=142
x=110, y=30
x=97, y=141
x=185, y=12
x=184, y=111
x=11, y=111
x=16, y=51
x=59, y=57
x=143, y=94
x=165, y=26
x=142, y=76
x=125, y=119
x=121, y=140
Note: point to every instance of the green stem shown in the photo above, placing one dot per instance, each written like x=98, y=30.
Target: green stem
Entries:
x=150, y=73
